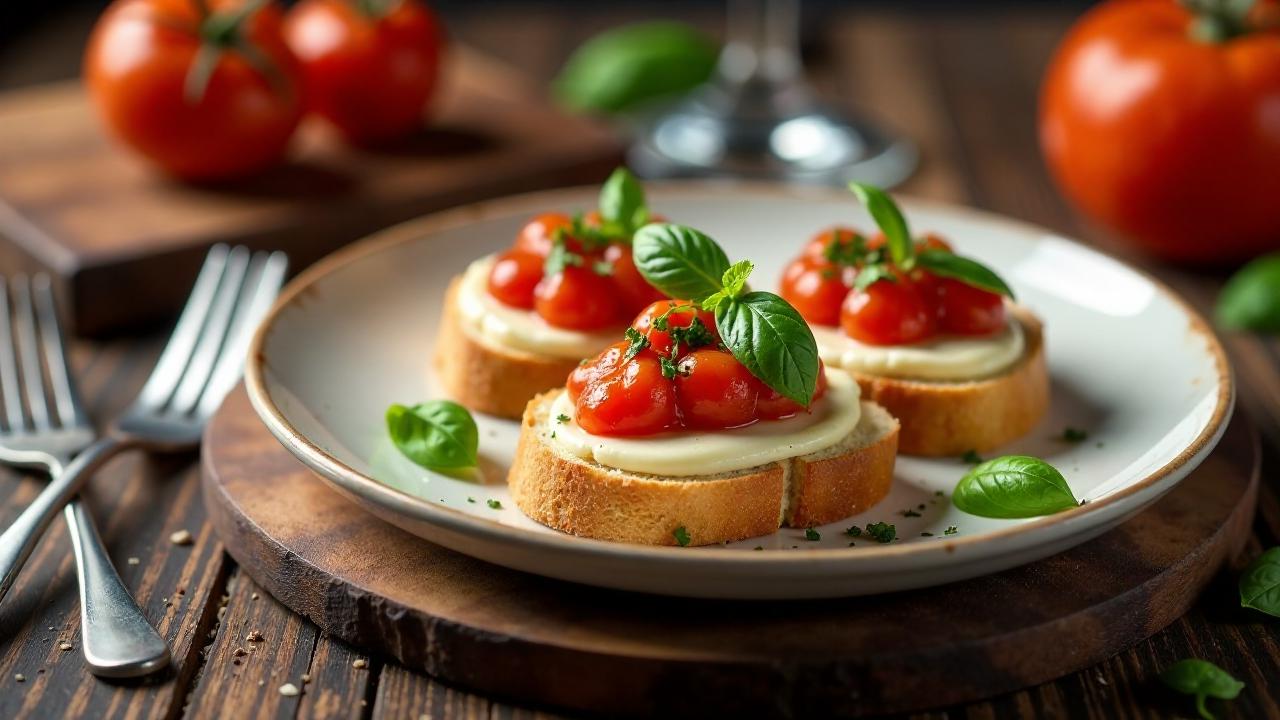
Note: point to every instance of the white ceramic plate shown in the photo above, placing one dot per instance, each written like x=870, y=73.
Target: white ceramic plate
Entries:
x=1130, y=362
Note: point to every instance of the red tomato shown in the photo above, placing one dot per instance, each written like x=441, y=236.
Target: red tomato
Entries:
x=514, y=276
x=771, y=405
x=818, y=245
x=139, y=68
x=577, y=299
x=1170, y=140
x=538, y=234
x=813, y=285
x=634, y=400
x=660, y=340
x=966, y=310
x=715, y=390
x=888, y=313
x=932, y=241
x=368, y=68
x=591, y=371
x=634, y=292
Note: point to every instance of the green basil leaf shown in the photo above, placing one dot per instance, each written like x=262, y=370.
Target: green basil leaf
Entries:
x=1260, y=583
x=735, y=278
x=622, y=202
x=1251, y=298
x=438, y=434
x=679, y=261
x=1013, y=486
x=1202, y=679
x=873, y=274
x=628, y=66
x=890, y=221
x=966, y=270
x=775, y=344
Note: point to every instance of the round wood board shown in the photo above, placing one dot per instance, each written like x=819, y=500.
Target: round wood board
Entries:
x=543, y=641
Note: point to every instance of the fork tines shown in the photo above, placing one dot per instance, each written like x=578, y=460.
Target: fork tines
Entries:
x=33, y=366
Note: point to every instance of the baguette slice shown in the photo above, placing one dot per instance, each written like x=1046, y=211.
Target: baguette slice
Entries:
x=952, y=418
x=486, y=377
x=582, y=497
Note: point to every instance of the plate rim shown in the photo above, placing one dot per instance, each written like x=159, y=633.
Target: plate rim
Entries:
x=451, y=519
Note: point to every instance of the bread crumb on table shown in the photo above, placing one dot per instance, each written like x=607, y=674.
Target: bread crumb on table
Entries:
x=64, y=645
x=181, y=537
x=360, y=663
x=289, y=690
x=20, y=677
x=133, y=561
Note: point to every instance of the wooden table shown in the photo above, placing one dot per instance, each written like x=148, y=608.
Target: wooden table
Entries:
x=963, y=87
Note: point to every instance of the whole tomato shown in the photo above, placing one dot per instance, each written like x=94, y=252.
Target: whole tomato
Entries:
x=1165, y=126
x=204, y=95
x=370, y=66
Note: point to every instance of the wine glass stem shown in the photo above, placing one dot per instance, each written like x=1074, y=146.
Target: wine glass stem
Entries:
x=763, y=42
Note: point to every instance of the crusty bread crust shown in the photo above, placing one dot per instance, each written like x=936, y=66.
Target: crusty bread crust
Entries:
x=495, y=381
x=950, y=419
x=584, y=498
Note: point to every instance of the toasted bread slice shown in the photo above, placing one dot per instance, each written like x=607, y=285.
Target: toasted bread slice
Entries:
x=581, y=497
x=952, y=418
x=486, y=377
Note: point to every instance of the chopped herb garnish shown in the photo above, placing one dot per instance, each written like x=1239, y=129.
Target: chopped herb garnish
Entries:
x=560, y=257
x=971, y=456
x=758, y=547
x=635, y=343
x=908, y=513
x=681, y=535
x=951, y=530
x=602, y=268
x=853, y=531
x=852, y=544
x=553, y=434
x=471, y=499
x=926, y=534
x=938, y=493
x=882, y=532
x=812, y=535
x=920, y=506
x=493, y=504
x=562, y=418
x=1074, y=435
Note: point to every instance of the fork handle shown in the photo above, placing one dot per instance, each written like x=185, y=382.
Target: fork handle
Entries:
x=20, y=539
x=118, y=641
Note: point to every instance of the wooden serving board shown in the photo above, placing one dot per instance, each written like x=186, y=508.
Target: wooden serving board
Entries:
x=544, y=641
x=124, y=243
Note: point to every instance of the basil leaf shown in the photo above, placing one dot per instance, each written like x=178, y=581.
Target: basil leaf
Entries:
x=622, y=68
x=438, y=434
x=1251, y=298
x=1260, y=583
x=1013, y=486
x=1202, y=679
x=873, y=274
x=622, y=201
x=966, y=270
x=775, y=344
x=735, y=282
x=679, y=261
x=890, y=221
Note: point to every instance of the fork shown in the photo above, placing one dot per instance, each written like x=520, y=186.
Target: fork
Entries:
x=200, y=364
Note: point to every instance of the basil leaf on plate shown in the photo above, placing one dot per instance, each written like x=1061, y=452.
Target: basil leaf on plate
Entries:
x=1260, y=583
x=775, y=344
x=1251, y=298
x=1202, y=679
x=735, y=283
x=1013, y=486
x=625, y=67
x=967, y=271
x=890, y=221
x=439, y=434
x=622, y=202
x=679, y=261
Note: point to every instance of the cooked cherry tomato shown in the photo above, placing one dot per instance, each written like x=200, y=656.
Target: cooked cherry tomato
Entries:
x=966, y=310
x=634, y=292
x=592, y=370
x=633, y=400
x=888, y=313
x=144, y=67
x=514, y=276
x=660, y=340
x=814, y=286
x=1167, y=135
x=715, y=390
x=771, y=405
x=538, y=234
x=578, y=299
x=818, y=245
x=932, y=241
x=368, y=67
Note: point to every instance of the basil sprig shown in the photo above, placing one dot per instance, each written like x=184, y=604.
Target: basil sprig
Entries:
x=623, y=209
x=763, y=331
x=1013, y=486
x=1260, y=583
x=902, y=250
x=1203, y=680
x=439, y=434
x=1251, y=298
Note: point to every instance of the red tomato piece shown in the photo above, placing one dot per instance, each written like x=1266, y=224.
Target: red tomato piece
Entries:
x=932, y=241
x=660, y=340
x=635, y=293
x=715, y=390
x=771, y=405
x=815, y=287
x=538, y=235
x=514, y=276
x=818, y=246
x=577, y=299
x=966, y=310
x=889, y=313
x=592, y=370
x=633, y=400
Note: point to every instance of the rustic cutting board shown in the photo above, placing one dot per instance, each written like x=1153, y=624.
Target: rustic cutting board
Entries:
x=124, y=243
x=537, y=640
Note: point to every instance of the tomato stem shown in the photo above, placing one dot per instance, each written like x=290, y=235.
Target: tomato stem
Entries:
x=375, y=9
x=1217, y=21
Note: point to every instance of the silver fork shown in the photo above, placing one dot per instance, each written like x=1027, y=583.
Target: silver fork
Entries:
x=201, y=363
x=114, y=633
